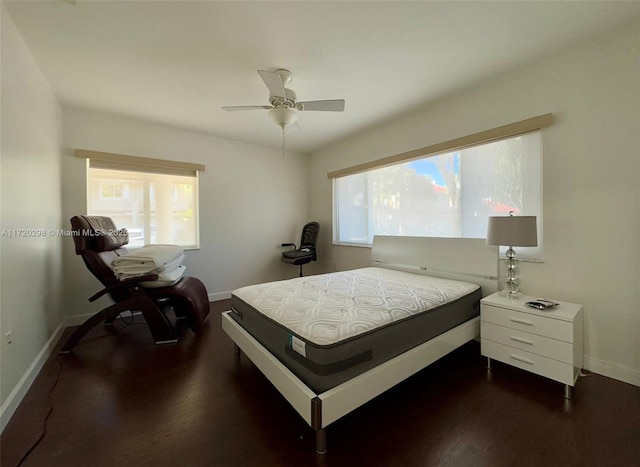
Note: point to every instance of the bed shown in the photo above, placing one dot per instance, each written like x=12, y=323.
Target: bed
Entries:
x=332, y=342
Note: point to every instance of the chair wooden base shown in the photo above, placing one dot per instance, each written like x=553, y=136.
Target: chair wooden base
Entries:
x=160, y=325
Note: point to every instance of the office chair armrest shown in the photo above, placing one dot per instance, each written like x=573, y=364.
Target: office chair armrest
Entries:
x=290, y=244
x=125, y=283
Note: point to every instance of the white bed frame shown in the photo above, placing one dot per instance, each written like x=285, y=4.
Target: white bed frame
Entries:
x=463, y=259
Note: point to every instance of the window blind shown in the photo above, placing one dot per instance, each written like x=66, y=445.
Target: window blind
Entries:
x=104, y=160
x=494, y=134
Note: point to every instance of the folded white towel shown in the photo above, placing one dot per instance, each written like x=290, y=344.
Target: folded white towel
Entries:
x=147, y=259
x=169, y=265
x=166, y=278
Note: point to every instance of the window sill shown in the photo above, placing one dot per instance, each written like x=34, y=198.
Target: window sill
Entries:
x=501, y=257
x=524, y=260
x=357, y=245
x=185, y=248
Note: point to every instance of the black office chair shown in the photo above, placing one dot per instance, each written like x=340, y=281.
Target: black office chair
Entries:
x=307, y=251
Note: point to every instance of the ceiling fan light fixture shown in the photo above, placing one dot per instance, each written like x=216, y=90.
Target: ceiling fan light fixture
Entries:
x=283, y=116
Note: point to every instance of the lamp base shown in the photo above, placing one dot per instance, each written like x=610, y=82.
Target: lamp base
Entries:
x=511, y=286
x=506, y=293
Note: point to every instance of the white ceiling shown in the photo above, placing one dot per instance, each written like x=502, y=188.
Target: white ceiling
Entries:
x=178, y=62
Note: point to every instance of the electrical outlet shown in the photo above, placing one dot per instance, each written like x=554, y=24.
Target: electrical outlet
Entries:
x=8, y=339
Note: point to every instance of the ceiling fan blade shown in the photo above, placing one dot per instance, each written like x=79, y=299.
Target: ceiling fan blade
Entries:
x=273, y=82
x=235, y=108
x=335, y=105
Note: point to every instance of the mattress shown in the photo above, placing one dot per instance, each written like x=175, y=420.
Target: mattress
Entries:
x=329, y=328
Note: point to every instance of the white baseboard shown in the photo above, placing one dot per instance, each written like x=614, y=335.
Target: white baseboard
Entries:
x=624, y=374
x=77, y=320
x=214, y=297
x=12, y=402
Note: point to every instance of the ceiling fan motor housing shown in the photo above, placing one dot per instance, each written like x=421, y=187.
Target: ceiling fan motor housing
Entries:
x=289, y=100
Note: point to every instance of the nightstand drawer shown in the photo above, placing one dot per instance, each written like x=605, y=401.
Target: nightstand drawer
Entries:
x=542, y=326
x=562, y=372
x=539, y=345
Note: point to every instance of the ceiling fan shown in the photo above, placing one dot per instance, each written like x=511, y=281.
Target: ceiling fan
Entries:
x=284, y=106
x=283, y=100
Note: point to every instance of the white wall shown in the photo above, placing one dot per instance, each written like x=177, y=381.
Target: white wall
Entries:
x=251, y=200
x=591, y=182
x=31, y=270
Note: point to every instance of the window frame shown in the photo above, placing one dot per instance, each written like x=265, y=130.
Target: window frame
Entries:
x=490, y=136
x=145, y=168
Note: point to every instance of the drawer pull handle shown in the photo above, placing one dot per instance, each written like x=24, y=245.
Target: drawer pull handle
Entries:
x=521, y=340
x=520, y=359
x=522, y=321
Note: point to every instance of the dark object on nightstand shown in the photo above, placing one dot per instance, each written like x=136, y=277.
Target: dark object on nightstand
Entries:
x=541, y=304
x=99, y=242
x=307, y=251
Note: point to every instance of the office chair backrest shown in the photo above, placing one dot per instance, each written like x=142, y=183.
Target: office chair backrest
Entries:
x=309, y=236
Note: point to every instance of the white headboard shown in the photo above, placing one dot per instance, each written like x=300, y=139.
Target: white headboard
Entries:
x=468, y=259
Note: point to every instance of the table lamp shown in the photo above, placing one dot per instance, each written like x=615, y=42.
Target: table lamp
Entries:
x=512, y=231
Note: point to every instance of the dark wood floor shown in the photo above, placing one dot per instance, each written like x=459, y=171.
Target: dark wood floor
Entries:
x=122, y=401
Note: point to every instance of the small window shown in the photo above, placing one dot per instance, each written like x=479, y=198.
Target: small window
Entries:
x=154, y=208
x=446, y=195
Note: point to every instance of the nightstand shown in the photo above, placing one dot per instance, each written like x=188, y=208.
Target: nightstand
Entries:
x=546, y=342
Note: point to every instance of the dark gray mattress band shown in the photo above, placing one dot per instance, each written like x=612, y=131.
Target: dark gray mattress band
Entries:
x=324, y=367
x=331, y=368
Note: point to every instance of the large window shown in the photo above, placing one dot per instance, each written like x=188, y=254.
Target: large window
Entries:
x=445, y=195
x=154, y=207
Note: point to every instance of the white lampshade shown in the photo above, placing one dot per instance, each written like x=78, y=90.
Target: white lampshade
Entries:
x=283, y=116
x=512, y=231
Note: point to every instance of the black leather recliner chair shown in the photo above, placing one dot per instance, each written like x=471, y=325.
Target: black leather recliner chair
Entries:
x=99, y=242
